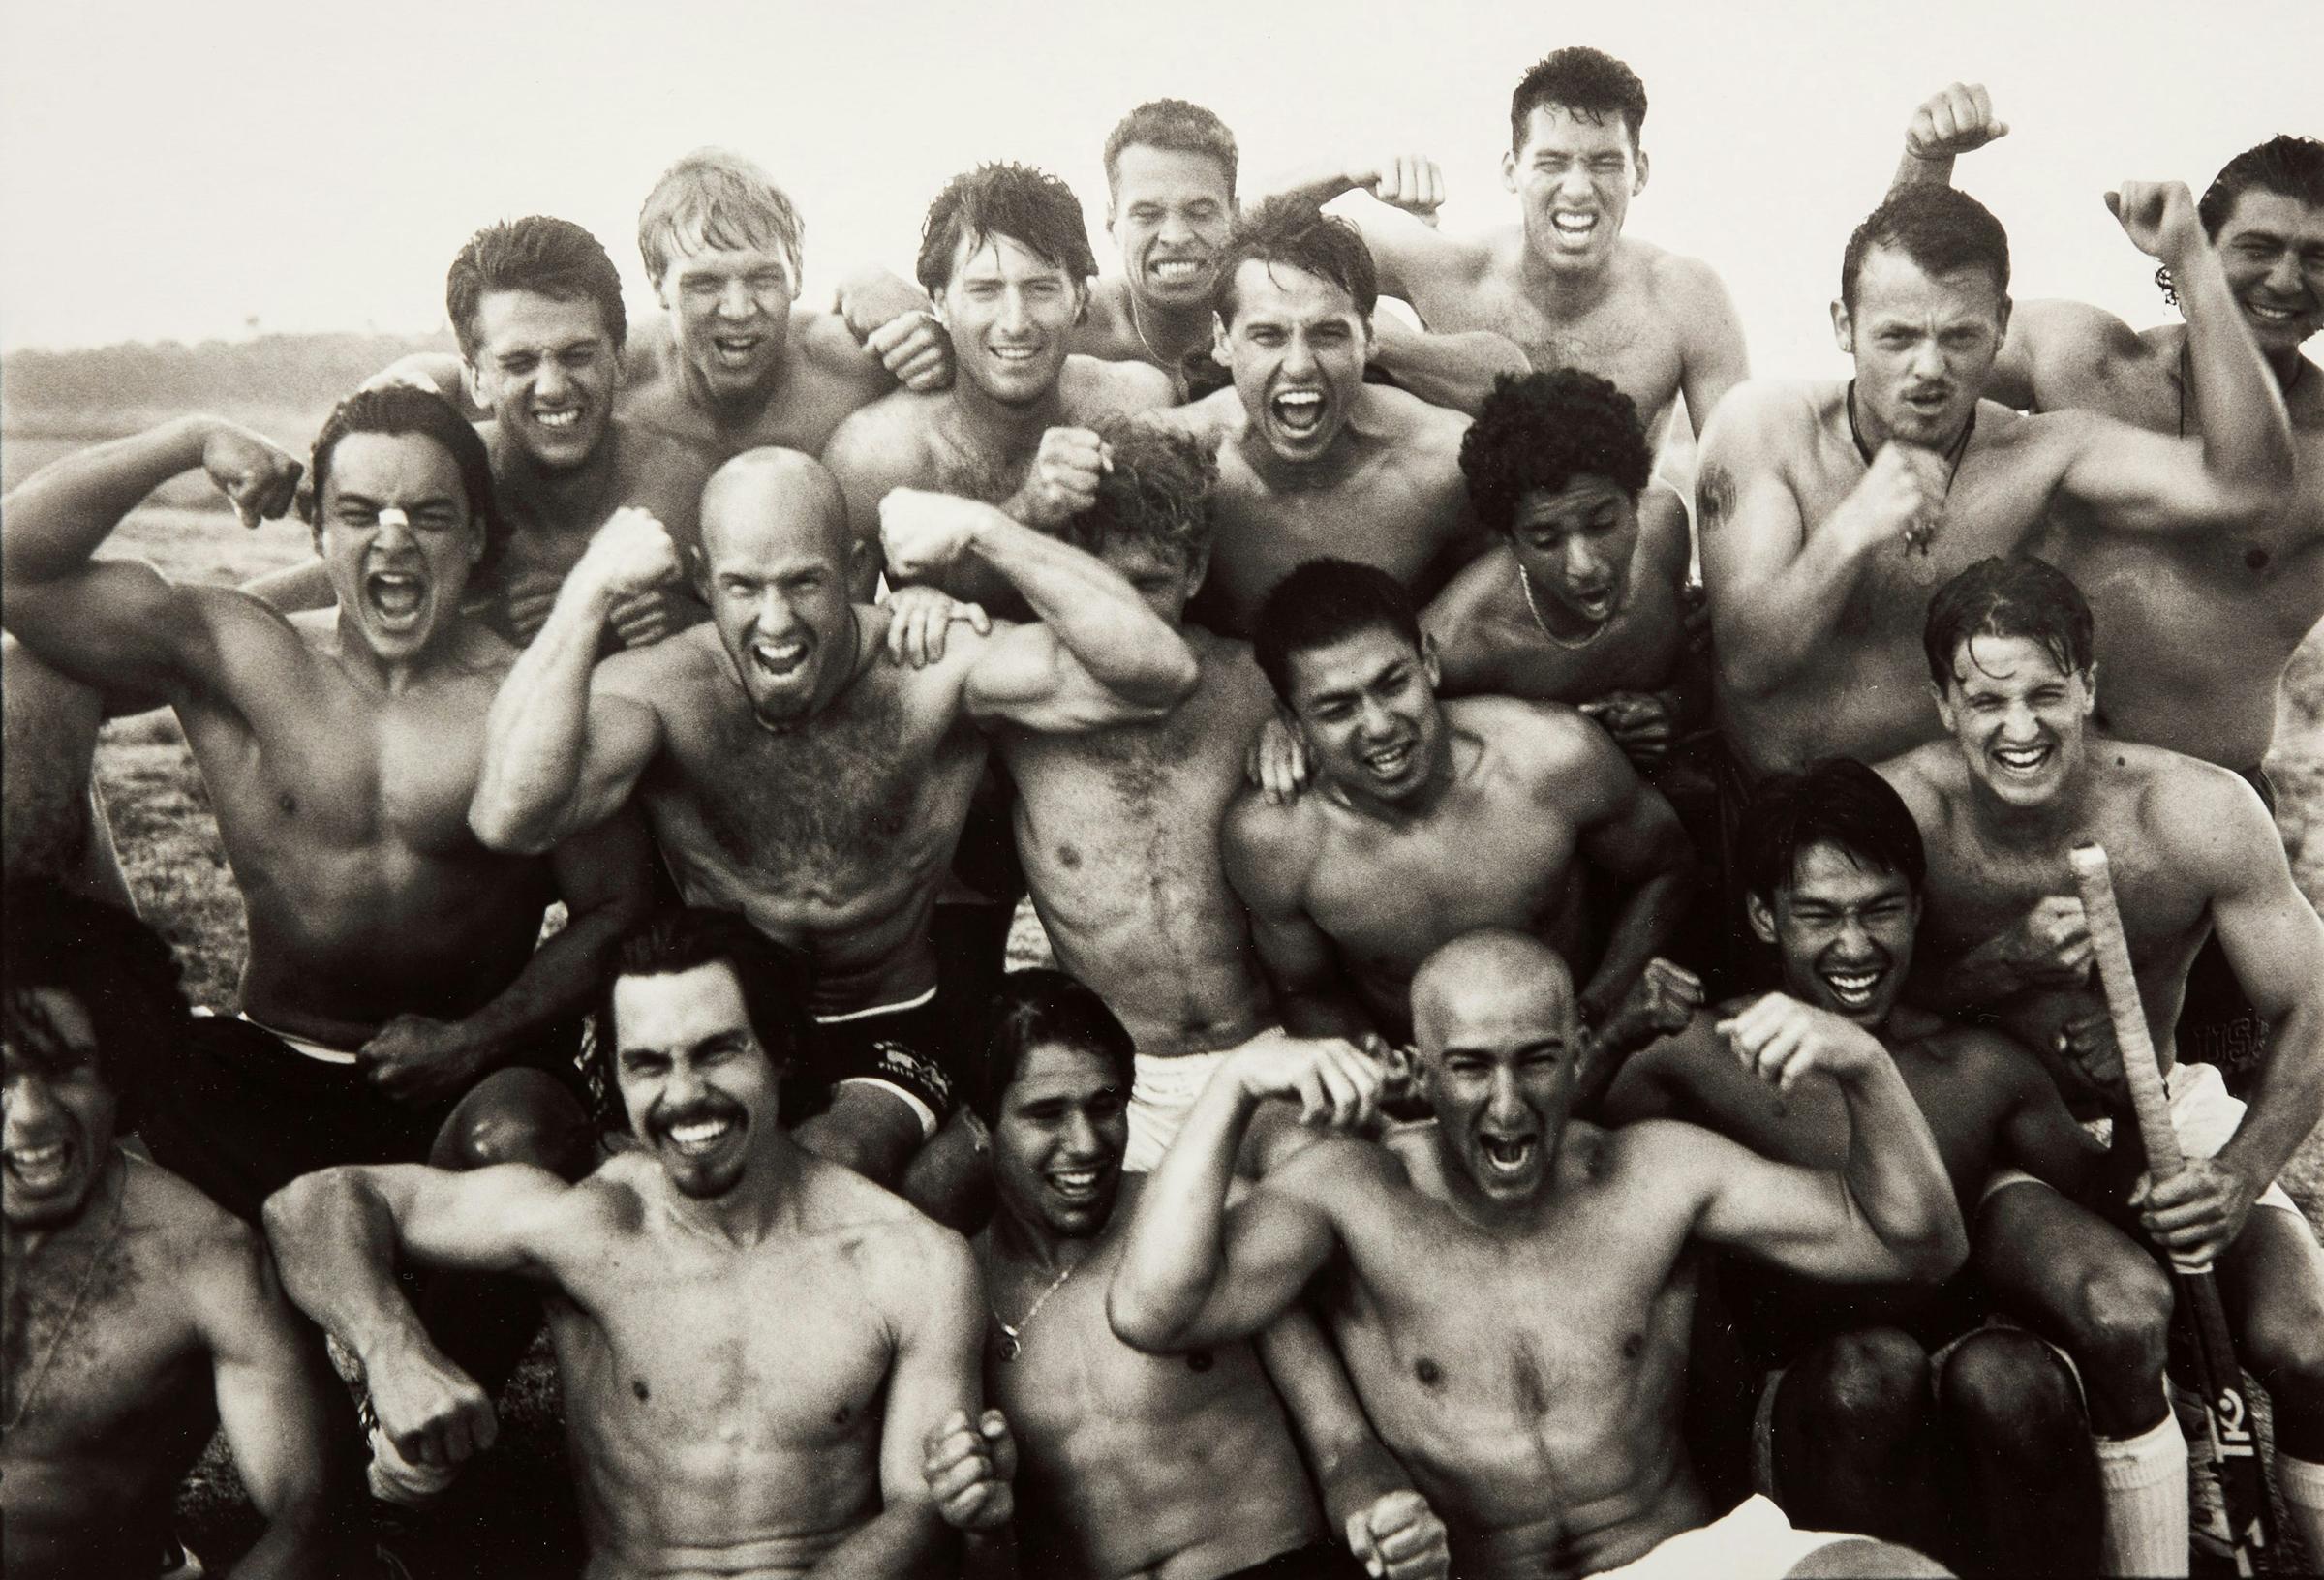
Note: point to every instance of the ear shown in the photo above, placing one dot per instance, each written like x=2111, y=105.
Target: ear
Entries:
x=2090, y=689
x=859, y=560
x=1945, y=707
x=1080, y=314
x=1637, y=183
x=1762, y=918
x=1431, y=662
x=473, y=382
x=1109, y=217
x=1197, y=566
x=1222, y=350
x=2006, y=305
x=1508, y=172
x=1843, y=332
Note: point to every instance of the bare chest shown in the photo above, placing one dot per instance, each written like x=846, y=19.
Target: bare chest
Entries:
x=1072, y=1376
x=1391, y=516
x=97, y=1353
x=1388, y=897
x=1627, y=338
x=1638, y=651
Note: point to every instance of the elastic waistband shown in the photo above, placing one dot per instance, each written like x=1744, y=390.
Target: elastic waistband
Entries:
x=897, y=1008
x=320, y=1052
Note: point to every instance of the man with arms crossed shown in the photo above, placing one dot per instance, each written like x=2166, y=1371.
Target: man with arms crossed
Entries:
x=794, y=770
x=1005, y=254
x=1312, y=459
x=1161, y=1468
x=140, y=1317
x=1828, y=510
x=1431, y=819
x=1170, y=203
x=2002, y=804
x=707, y=1438
x=1564, y=283
x=1895, y=1408
x=1511, y=1289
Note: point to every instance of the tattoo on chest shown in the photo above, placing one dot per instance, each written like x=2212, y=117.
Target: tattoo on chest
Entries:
x=1714, y=494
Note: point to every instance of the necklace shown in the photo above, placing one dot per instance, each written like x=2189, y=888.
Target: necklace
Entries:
x=1525, y=585
x=1012, y=1337
x=40, y=1371
x=1916, y=536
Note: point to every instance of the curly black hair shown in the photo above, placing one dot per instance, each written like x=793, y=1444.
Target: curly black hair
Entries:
x=1542, y=431
x=1032, y=208
x=118, y=969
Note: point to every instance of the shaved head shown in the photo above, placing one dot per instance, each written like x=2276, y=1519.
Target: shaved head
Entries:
x=785, y=489
x=1489, y=978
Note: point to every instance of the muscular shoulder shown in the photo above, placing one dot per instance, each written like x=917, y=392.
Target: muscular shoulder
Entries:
x=2198, y=808
x=1094, y=389
x=1420, y=431
x=1664, y=543
x=1213, y=419
x=668, y=676
x=1271, y=851
x=891, y=1243
x=217, y=1263
x=1550, y=743
x=657, y=456
x=1691, y=289
x=1762, y=420
x=887, y=438
x=1927, y=777
x=1332, y=1169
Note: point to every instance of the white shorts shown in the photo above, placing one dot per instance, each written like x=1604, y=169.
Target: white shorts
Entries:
x=2203, y=1114
x=1161, y=1097
x=1751, y=1540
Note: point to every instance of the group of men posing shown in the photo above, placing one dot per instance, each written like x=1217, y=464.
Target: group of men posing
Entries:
x=1335, y=688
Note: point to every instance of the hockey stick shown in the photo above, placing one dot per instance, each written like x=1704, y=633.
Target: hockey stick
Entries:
x=2217, y=1374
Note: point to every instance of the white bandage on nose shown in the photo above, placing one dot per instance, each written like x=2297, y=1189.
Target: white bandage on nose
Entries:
x=397, y=515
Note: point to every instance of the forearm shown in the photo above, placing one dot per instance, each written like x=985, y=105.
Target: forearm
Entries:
x=1449, y=370
x=2286, y=1101
x=1778, y=628
x=1912, y=171
x=1896, y=1178
x=306, y=585
x=903, y=1540
x=870, y=296
x=1355, y=1475
x=537, y=735
x=2247, y=437
x=559, y=983
x=335, y=1244
x=1091, y=609
x=57, y=520
x=1318, y=182
x=1176, y=1245
x=1653, y=913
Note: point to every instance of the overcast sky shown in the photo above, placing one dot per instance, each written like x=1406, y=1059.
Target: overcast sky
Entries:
x=185, y=171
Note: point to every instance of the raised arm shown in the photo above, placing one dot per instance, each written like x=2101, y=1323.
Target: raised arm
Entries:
x=1193, y=1273
x=1369, y=1498
x=1095, y=655
x=935, y=1303
x=2238, y=469
x=1888, y=1214
x=338, y=1236
x=117, y=624
x=869, y=455
x=1457, y=370
x=893, y=320
x=284, y=1414
x=1954, y=120
x=605, y=877
x=1629, y=832
x=1778, y=583
x=560, y=755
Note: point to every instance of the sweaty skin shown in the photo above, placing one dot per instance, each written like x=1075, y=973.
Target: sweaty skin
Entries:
x=1119, y=832
x=822, y=375
x=52, y=822
x=182, y=1328
x=1346, y=901
x=1519, y=1336
x=340, y=777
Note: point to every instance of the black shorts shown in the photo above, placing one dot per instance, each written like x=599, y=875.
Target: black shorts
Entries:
x=2217, y=1022
x=909, y=1051
x=242, y=1113
x=1317, y=1560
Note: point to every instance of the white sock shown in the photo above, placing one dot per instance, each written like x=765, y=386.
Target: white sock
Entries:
x=2302, y=1483
x=2144, y=1487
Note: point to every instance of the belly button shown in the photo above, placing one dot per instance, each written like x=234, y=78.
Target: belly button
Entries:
x=2256, y=559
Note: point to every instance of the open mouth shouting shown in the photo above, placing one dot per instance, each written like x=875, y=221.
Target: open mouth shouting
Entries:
x=782, y=663
x=1080, y=1188
x=2023, y=762
x=1595, y=604
x=703, y=1135
x=733, y=352
x=40, y=1171
x=1508, y=1159
x=1574, y=228
x=396, y=600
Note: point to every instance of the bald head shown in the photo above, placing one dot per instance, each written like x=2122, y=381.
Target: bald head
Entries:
x=769, y=497
x=1490, y=985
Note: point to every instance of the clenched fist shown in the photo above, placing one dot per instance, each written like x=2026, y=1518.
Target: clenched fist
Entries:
x=1957, y=119
x=257, y=476
x=1064, y=477
x=923, y=533
x=2158, y=217
x=1411, y=182
x=630, y=554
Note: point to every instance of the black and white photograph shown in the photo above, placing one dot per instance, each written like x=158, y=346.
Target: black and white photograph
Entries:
x=1197, y=791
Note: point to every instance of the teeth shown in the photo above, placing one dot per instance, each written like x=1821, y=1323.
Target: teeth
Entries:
x=2271, y=312
x=1075, y=1179
x=780, y=659
x=558, y=421
x=700, y=1136
x=1389, y=762
x=1013, y=353
x=1507, y=1156
x=1852, y=987
x=394, y=594
x=2022, y=758
x=39, y=1167
x=1575, y=225
x=1178, y=269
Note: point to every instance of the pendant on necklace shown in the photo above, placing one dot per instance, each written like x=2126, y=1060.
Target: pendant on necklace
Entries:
x=1010, y=1349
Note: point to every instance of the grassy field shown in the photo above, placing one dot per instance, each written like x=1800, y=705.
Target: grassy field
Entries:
x=162, y=821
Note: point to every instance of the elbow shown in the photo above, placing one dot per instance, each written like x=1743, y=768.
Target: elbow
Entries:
x=1170, y=679
x=501, y=825
x=1137, y=1322
x=1940, y=1251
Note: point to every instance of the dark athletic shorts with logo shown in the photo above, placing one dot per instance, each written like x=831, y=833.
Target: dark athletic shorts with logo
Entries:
x=907, y=1050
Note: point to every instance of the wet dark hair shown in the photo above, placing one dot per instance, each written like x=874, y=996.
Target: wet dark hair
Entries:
x=1294, y=232
x=1043, y=1005
x=115, y=967
x=2019, y=595
x=1836, y=800
x=1322, y=602
x=1157, y=494
x=1588, y=83
x=401, y=409
x=2290, y=166
x=1031, y=207
x=1174, y=125
x=555, y=259
x=1940, y=228
x=775, y=980
x=1542, y=431
x=727, y=200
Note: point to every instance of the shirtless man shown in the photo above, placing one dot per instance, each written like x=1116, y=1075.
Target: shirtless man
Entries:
x=1429, y=820
x=1896, y=1407
x=52, y=822
x=2194, y=635
x=706, y=1437
x=1564, y=283
x=1169, y=205
x=1511, y=1288
x=140, y=1317
x=1137, y=1467
x=394, y=1004
x=794, y=770
x=1005, y=254
x=2000, y=803
x=1830, y=510
x=1313, y=461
